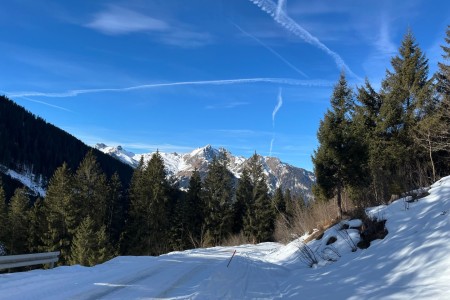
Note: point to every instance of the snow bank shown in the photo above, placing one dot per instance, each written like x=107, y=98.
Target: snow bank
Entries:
x=411, y=262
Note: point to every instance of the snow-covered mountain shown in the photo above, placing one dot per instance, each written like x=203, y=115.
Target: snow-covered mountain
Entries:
x=181, y=166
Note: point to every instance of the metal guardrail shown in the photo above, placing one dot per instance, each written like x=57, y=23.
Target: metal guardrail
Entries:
x=22, y=260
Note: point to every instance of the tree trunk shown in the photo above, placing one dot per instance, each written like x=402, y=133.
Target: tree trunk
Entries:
x=431, y=157
x=339, y=202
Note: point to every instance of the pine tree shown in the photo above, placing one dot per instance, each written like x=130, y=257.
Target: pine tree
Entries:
x=148, y=221
x=443, y=75
x=279, y=201
x=18, y=222
x=217, y=196
x=90, y=245
x=37, y=228
x=91, y=191
x=115, y=211
x=59, y=209
x=3, y=216
x=337, y=161
x=244, y=199
x=193, y=210
x=406, y=99
x=259, y=223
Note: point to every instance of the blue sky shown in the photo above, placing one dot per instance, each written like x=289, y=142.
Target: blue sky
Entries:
x=175, y=75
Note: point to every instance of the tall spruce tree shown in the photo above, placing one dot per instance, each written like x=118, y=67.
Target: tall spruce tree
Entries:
x=90, y=245
x=18, y=222
x=337, y=161
x=194, y=210
x=3, y=216
x=433, y=132
x=217, y=197
x=259, y=222
x=406, y=99
x=148, y=221
x=91, y=191
x=279, y=201
x=115, y=211
x=59, y=209
x=37, y=227
x=244, y=199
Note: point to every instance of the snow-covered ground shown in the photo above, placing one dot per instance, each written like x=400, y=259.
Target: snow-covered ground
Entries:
x=411, y=262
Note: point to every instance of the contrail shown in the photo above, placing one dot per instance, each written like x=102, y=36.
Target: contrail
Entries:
x=271, y=145
x=73, y=93
x=274, y=113
x=277, y=107
x=284, y=20
x=281, y=7
x=271, y=50
x=45, y=103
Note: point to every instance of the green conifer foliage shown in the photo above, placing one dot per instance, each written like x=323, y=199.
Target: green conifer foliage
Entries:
x=3, y=216
x=59, y=208
x=244, y=199
x=91, y=191
x=90, y=245
x=260, y=219
x=193, y=211
x=406, y=99
x=18, y=222
x=217, y=196
x=148, y=222
x=338, y=160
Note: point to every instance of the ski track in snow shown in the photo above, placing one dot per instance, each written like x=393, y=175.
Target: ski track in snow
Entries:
x=411, y=262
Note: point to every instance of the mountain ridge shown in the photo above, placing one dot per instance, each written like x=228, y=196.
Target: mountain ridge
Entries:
x=181, y=165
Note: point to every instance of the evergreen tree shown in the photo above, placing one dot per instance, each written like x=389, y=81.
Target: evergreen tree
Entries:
x=244, y=198
x=115, y=211
x=90, y=245
x=279, y=201
x=148, y=221
x=338, y=161
x=3, y=216
x=59, y=209
x=18, y=222
x=259, y=222
x=37, y=228
x=290, y=204
x=406, y=99
x=193, y=210
x=217, y=196
x=433, y=132
x=443, y=75
x=91, y=191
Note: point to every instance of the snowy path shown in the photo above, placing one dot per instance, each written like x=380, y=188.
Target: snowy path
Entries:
x=412, y=262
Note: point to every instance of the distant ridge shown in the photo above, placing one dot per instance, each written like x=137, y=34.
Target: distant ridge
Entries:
x=299, y=181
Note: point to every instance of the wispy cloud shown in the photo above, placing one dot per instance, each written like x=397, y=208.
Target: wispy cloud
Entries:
x=271, y=50
x=76, y=92
x=230, y=105
x=115, y=20
x=274, y=114
x=284, y=20
x=277, y=107
x=47, y=104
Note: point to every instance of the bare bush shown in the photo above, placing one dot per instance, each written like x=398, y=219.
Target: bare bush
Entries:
x=343, y=233
x=307, y=255
x=236, y=240
x=330, y=253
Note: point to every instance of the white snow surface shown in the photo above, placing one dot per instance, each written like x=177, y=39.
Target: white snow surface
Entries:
x=28, y=179
x=411, y=262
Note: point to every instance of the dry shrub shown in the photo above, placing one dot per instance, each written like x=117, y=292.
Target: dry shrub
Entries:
x=236, y=240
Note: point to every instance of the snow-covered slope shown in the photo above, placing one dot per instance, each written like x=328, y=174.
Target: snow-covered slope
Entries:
x=181, y=166
x=34, y=183
x=411, y=262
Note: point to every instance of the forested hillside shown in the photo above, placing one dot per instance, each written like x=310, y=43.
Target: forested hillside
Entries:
x=29, y=143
